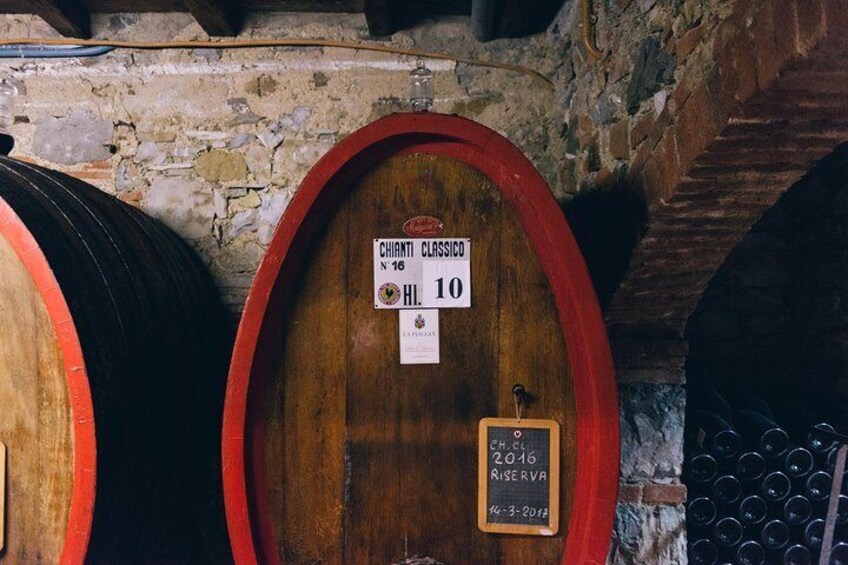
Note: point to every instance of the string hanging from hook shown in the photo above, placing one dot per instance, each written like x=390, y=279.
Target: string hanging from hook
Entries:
x=518, y=391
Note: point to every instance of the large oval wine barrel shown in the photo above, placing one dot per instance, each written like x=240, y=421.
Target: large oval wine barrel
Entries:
x=334, y=452
x=112, y=370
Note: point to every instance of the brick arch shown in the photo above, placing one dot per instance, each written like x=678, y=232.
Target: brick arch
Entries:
x=775, y=101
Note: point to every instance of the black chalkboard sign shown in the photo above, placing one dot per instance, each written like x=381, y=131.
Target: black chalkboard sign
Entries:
x=518, y=479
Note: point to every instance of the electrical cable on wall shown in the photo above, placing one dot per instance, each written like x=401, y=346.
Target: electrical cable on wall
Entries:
x=256, y=43
x=43, y=52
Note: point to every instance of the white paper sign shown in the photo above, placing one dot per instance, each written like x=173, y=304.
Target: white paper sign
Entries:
x=447, y=284
x=419, y=337
x=422, y=273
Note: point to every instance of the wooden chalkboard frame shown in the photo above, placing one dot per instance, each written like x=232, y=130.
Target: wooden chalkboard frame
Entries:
x=483, y=472
x=591, y=511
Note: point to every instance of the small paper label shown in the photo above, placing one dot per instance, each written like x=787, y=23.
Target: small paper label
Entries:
x=419, y=337
x=447, y=284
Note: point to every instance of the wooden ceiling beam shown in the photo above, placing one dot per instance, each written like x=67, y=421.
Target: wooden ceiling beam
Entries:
x=378, y=16
x=216, y=17
x=68, y=17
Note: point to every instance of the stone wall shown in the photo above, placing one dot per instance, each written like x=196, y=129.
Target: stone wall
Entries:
x=666, y=146
x=215, y=142
x=699, y=116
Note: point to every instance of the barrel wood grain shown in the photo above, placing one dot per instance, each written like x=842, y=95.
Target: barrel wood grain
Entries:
x=305, y=432
x=35, y=420
x=370, y=461
x=533, y=353
x=406, y=427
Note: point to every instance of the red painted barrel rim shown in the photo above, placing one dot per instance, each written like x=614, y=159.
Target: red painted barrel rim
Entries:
x=79, y=394
x=595, y=390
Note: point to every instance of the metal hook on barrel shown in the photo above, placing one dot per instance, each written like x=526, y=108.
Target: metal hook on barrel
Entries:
x=519, y=392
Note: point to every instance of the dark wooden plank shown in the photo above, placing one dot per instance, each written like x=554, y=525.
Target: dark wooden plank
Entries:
x=419, y=7
x=373, y=391
x=378, y=16
x=412, y=488
x=305, y=420
x=128, y=6
x=429, y=7
x=520, y=18
x=443, y=404
x=68, y=17
x=483, y=18
x=216, y=17
x=532, y=352
x=326, y=6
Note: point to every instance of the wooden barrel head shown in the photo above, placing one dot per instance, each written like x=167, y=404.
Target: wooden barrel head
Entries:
x=35, y=421
x=370, y=461
x=334, y=452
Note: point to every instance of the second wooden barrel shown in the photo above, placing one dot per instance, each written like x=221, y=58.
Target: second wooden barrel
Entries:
x=113, y=353
x=335, y=451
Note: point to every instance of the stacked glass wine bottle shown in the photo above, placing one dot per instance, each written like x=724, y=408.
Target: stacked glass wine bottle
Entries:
x=758, y=481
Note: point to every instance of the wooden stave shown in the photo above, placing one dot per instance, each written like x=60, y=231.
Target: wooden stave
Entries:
x=199, y=292
x=186, y=272
x=63, y=216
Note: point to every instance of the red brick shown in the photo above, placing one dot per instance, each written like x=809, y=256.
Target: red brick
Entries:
x=686, y=44
x=773, y=44
x=132, y=198
x=664, y=494
x=604, y=177
x=729, y=29
x=696, y=126
x=811, y=23
x=637, y=164
x=836, y=17
x=619, y=146
x=105, y=164
x=687, y=84
x=738, y=69
x=642, y=126
x=630, y=493
x=662, y=169
x=94, y=174
x=585, y=130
